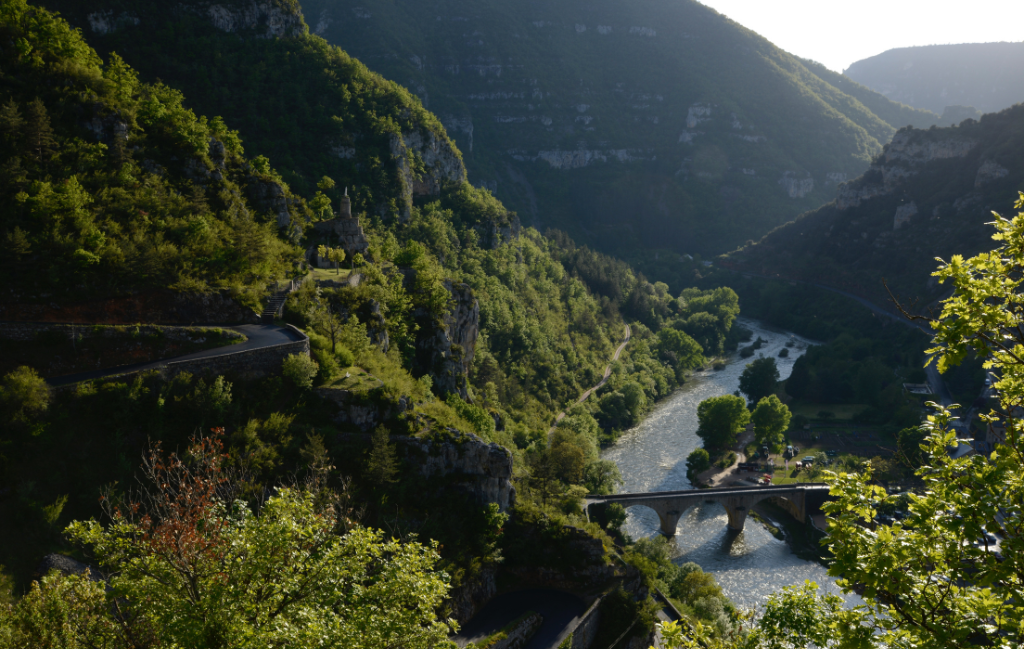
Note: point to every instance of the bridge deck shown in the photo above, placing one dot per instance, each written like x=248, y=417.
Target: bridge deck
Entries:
x=706, y=493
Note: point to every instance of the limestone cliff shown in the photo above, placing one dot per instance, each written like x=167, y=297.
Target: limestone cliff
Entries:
x=460, y=461
x=928, y=194
x=426, y=162
x=445, y=347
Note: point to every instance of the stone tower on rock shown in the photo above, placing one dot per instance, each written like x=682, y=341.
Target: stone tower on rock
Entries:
x=343, y=231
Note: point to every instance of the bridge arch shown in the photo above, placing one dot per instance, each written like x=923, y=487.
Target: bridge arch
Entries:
x=670, y=506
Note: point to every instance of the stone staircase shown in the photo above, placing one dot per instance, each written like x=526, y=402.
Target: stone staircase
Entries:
x=276, y=304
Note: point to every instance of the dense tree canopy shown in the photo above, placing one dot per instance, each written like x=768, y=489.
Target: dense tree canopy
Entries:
x=759, y=379
x=771, y=419
x=721, y=418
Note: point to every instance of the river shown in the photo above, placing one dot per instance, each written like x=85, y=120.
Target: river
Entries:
x=652, y=457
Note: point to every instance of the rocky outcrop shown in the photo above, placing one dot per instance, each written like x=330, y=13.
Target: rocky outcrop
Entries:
x=153, y=307
x=463, y=461
x=903, y=215
x=470, y=596
x=908, y=146
x=797, y=185
x=269, y=196
x=267, y=19
x=364, y=410
x=989, y=171
x=107, y=22
x=445, y=348
x=482, y=470
x=66, y=565
x=441, y=165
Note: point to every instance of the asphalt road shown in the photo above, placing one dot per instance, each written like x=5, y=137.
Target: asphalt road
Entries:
x=559, y=609
x=259, y=336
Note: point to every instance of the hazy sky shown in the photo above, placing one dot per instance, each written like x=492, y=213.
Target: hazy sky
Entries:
x=838, y=33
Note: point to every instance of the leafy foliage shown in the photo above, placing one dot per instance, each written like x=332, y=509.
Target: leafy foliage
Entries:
x=115, y=183
x=721, y=418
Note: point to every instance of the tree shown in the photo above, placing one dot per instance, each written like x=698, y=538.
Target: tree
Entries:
x=684, y=351
x=24, y=393
x=191, y=566
x=300, y=369
x=323, y=317
x=697, y=462
x=382, y=464
x=720, y=419
x=759, y=379
x=771, y=420
x=337, y=255
x=933, y=580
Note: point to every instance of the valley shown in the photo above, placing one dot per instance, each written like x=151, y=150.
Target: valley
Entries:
x=337, y=324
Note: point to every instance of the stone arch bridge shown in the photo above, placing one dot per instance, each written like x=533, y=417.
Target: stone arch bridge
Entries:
x=800, y=500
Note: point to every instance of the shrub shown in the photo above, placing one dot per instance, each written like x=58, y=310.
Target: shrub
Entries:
x=345, y=356
x=300, y=370
x=329, y=369
x=24, y=393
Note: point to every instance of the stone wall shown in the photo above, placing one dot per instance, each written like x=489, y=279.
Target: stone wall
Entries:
x=519, y=635
x=586, y=629
x=248, y=364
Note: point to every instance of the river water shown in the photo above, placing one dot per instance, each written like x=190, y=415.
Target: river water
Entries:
x=652, y=457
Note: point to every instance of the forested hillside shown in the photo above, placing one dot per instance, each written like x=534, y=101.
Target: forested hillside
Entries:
x=461, y=339
x=662, y=126
x=112, y=185
x=929, y=194
x=985, y=76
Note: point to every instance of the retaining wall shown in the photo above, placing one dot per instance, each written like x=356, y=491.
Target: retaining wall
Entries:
x=586, y=629
x=248, y=364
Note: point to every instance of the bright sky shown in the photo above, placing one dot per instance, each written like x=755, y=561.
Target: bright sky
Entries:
x=837, y=33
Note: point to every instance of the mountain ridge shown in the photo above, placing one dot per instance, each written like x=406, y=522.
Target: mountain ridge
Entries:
x=985, y=76
x=929, y=193
x=653, y=112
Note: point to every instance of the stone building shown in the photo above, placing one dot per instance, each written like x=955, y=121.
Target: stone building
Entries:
x=343, y=231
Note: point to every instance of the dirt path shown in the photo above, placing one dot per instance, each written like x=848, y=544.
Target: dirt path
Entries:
x=715, y=477
x=604, y=379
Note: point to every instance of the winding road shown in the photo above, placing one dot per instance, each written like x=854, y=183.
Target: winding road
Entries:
x=604, y=379
x=258, y=335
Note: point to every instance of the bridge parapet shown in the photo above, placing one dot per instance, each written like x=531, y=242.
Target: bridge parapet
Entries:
x=670, y=505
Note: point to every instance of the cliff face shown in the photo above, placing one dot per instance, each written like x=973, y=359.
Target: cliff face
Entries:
x=376, y=138
x=612, y=149
x=445, y=348
x=928, y=194
x=462, y=461
x=438, y=162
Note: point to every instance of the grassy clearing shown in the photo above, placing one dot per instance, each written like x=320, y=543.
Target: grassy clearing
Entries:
x=330, y=274
x=356, y=379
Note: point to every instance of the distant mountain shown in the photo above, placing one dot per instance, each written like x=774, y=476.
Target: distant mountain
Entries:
x=631, y=125
x=929, y=194
x=987, y=76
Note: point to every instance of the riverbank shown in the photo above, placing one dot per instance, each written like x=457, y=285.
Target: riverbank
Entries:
x=750, y=565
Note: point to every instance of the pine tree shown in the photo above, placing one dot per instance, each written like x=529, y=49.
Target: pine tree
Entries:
x=39, y=140
x=383, y=463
